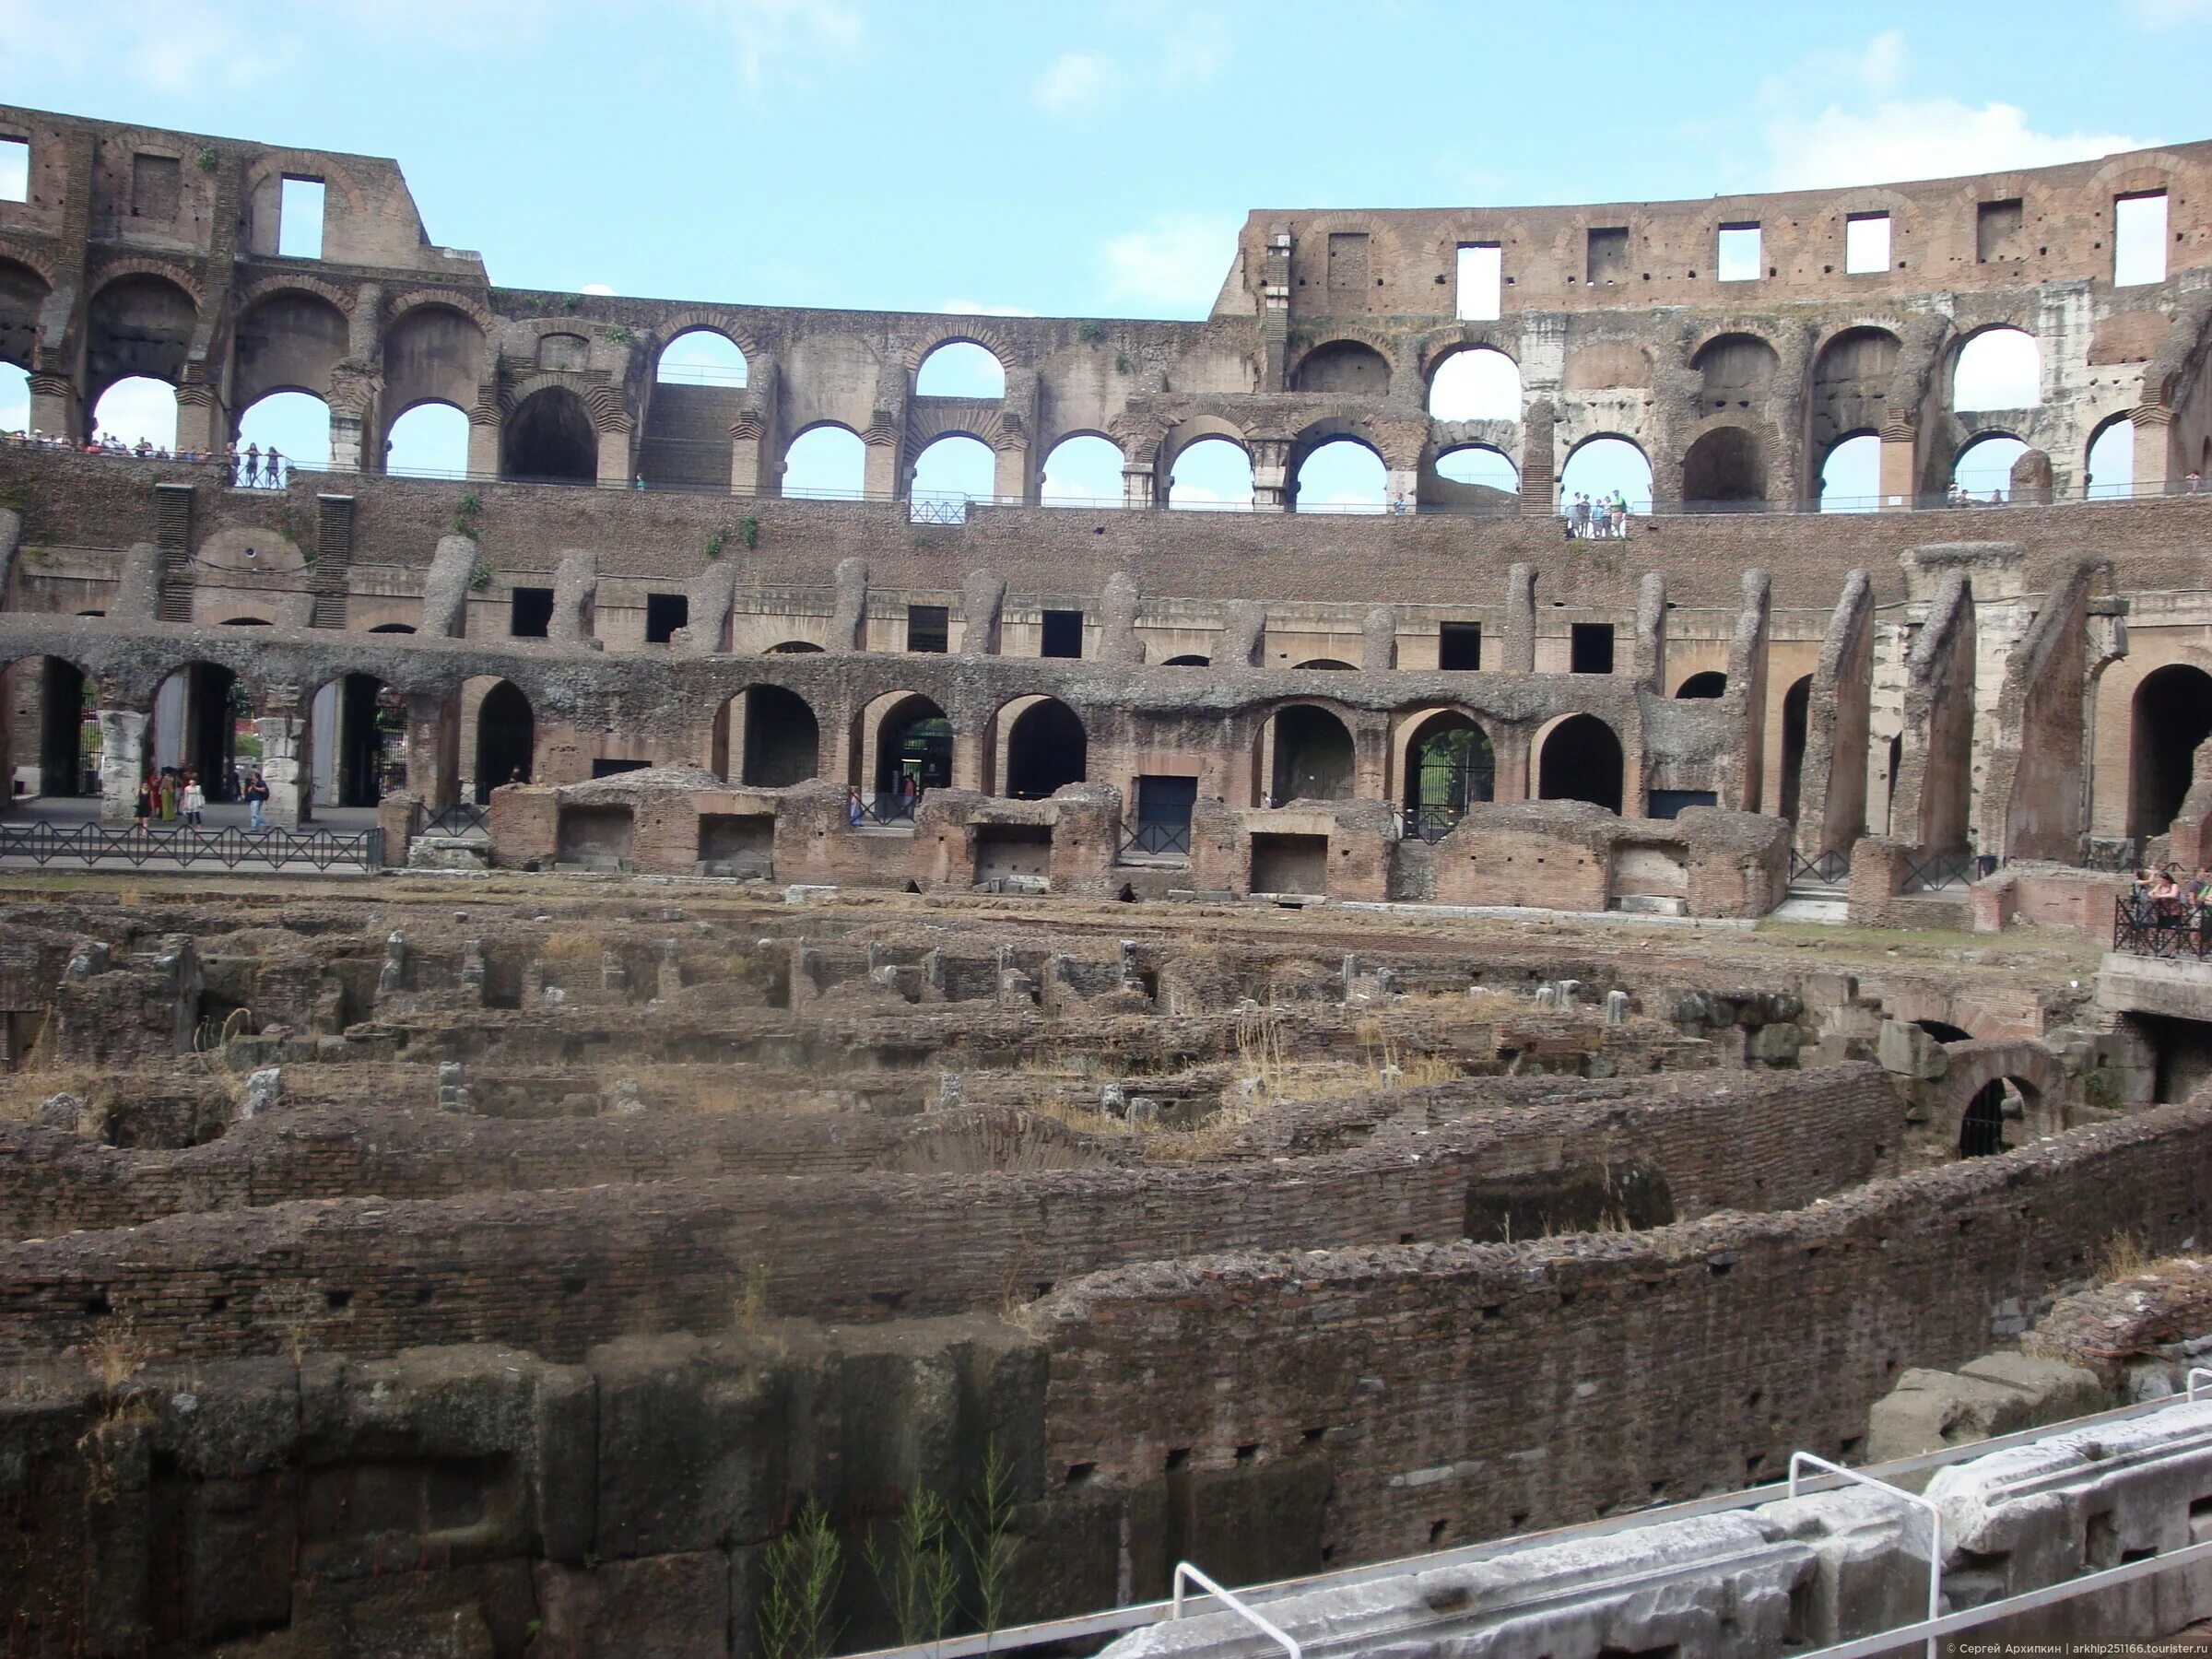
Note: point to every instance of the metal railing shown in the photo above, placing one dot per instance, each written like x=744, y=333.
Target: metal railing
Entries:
x=1268, y=1628
x=2169, y=929
x=463, y=817
x=886, y=810
x=138, y=847
x=1833, y=868
x=1928, y=1506
x=1933, y=871
x=1157, y=838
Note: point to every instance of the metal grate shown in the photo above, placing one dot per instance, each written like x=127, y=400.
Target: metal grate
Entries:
x=93, y=845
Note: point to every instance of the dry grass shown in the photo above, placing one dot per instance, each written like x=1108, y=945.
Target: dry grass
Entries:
x=570, y=949
x=42, y=1076
x=2124, y=1256
x=672, y=1087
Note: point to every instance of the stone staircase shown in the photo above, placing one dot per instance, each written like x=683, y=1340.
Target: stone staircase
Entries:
x=334, y=560
x=172, y=535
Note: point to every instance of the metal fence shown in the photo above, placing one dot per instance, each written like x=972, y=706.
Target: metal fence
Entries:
x=889, y=811
x=1935, y=870
x=1157, y=838
x=1832, y=868
x=92, y=846
x=2171, y=929
x=463, y=817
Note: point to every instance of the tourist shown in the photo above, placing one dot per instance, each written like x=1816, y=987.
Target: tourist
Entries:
x=1620, y=516
x=252, y=472
x=855, y=811
x=193, y=799
x=1581, y=517
x=257, y=802
x=2193, y=483
x=165, y=796
x=148, y=786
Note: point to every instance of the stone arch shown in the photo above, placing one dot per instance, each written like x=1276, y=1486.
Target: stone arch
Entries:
x=1475, y=382
x=903, y=738
x=2001, y=364
x=828, y=379
x=1321, y=435
x=192, y=725
x=846, y=461
x=1725, y=466
x=53, y=691
x=1045, y=747
x=139, y=325
x=1346, y=368
x=433, y=353
x=766, y=736
x=1579, y=758
x=2107, y=468
x=1180, y=440
x=1448, y=763
x=1088, y=476
x=1705, y=683
x=357, y=727
x=2169, y=717
x=550, y=438
x=1315, y=757
x=1796, y=710
x=956, y=358
x=792, y=648
x=1735, y=370
x=506, y=738
x=23, y=290
x=1603, y=452
x=434, y=444
x=290, y=339
x=721, y=371
x=1852, y=370
x=1973, y=1107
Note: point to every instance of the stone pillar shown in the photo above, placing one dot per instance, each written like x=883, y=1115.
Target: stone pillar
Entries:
x=2154, y=448
x=434, y=749
x=54, y=407
x=1137, y=488
x=617, y=469
x=1519, y=655
x=884, y=478
x=202, y=421
x=746, y=455
x=484, y=435
x=286, y=767
x=1898, y=467
x=1010, y=479
x=121, y=763
x=1270, y=475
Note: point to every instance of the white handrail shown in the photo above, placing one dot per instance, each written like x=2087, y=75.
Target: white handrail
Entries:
x=1274, y=1632
x=2196, y=1371
x=1926, y=1505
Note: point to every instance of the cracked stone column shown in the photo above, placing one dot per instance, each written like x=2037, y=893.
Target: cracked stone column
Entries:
x=284, y=768
x=121, y=764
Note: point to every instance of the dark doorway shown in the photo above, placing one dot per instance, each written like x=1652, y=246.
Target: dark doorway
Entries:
x=550, y=440
x=1982, y=1130
x=1312, y=756
x=1046, y=747
x=529, y=612
x=1063, y=634
x=506, y=739
x=915, y=744
x=61, y=728
x=1710, y=684
x=368, y=713
x=1590, y=647
x=1449, y=765
x=1794, y=703
x=1582, y=761
x=2173, y=716
x=782, y=739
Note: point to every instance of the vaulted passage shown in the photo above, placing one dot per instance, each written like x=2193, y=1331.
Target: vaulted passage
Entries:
x=1046, y=747
x=1727, y=467
x=914, y=750
x=1449, y=765
x=506, y=735
x=782, y=738
x=1313, y=756
x=1580, y=761
x=2173, y=716
x=550, y=440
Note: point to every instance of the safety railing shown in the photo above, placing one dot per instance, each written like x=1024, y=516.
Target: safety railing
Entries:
x=1934, y=871
x=463, y=817
x=274, y=848
x=1928, y=1507
x=1266, y=1627
x=1430, y=824
x=2169, y=929
x=1157, y=838
x=1830, y=867
x=887, y=811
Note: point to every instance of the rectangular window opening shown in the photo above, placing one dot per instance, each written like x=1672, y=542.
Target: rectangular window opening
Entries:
x=1737, y=257
x=1063, y=634
x=1608, y=257
x=664, y=613
x=15, y=169
x=529, y=613
x=157, y=181
x=299, y=219
x=1459, y=645
x=2139, y=238
x=1999, y=231
x=1591, y=649
x=1866, y=242
x=929, y=629
x=1481, y=278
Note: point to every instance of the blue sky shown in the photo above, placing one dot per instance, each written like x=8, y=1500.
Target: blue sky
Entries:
x=1079, y=159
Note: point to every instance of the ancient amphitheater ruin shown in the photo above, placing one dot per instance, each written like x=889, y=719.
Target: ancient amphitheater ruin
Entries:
x=796, y=1072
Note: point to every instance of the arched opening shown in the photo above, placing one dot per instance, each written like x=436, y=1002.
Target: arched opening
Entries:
x=359, y=741
x=15, y=398
x=137, y=413
x=1046, y=747
x=1850, y=477
x=506, y=739
x=960, y=368
x=288, y=341
x=1708, y=683
x=1478, y=467
x=1735, y=371
x=1581, y=760
x=1983, y=468
x=550, y=439
x=700, y=357
x=1326, y=664
x=393, y=627
x=2111, y=461
x=1212, y=473
x=1344, y=475
x=1795, y=701
x=1347, y=367
x=246, y=622
x=51, y=702
x=697, y=396
x=1188, y=662
x=1449, y=764
x=429, y=440
x=792, y=648
x=138, y=327
x=294, y=426
x=1851, y=394
x=1313, y=756
x=781, y=738
x=1726, y=468
x=827, y=463
x=1896, y=764
x=1943, y=1031
x=1997, y=369
x=1083, y=471
x=954, y=468
x=1603, y=467
x=2170, y=717
x=1981, y=1129
x=195, y=728
x=914, y=750
x=1479, y=382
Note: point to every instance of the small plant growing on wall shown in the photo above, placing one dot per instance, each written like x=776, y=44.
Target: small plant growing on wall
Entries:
x=620, y=336
x=716, y=542
x=748, y=531
x=1121, y=364
x=480, y=576
x=466, y=511
x=1090, y=333
x=207, y=161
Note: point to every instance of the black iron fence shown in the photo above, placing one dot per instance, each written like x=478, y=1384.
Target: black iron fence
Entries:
x=1430, y=824
x=463, y=817
x=2174, y=929
x=1934, y=870
x=1158, y=838
x=1833, y=868
x=91, y=846
x=890, y=811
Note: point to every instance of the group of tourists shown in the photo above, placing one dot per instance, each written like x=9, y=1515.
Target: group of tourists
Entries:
x=2164, y=897
x=171, y=794
x=251, y=468
x=1605, y=519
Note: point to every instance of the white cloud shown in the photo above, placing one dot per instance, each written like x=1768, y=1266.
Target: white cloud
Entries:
x=976, y=308
x=595, y=287
x=1176, y=263
x=2166, y=14
x=783, y=37
x=1872, y=135
x=1076, y=83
